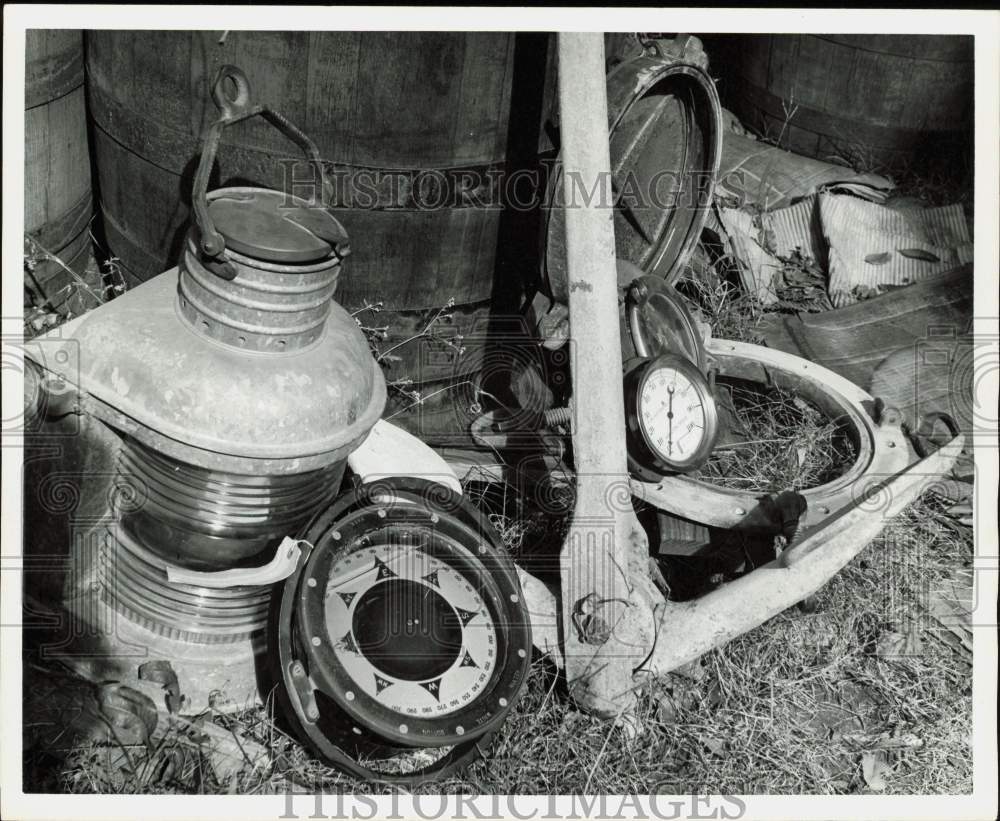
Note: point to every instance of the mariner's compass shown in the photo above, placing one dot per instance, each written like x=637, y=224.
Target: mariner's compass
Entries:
x=405, y=625
x=411, y=630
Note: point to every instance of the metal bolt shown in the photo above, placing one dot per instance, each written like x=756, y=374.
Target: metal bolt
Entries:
x=350, y=695
x=298, y=669
x=435, y=518
x=311, y=581
x=502, y=702
x=460, y=730
x=521, y=653
x=381, y=515
x=403, y=728
x=317, y=641
x=891, y=416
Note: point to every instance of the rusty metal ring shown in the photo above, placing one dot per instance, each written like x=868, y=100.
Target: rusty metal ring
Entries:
x=230, y=106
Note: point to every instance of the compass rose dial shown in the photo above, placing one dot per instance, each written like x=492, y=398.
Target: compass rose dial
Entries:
x=411, y=630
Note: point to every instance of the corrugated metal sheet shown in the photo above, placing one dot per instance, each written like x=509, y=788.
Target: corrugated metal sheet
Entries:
x=798, y=226
x=855, y=229
x=839, y=232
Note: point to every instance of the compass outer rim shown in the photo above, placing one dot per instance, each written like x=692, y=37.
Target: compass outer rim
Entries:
x=330, y=749
x=333, y=679
x=483, y=714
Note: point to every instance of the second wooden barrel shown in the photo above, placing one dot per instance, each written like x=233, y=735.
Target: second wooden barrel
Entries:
x=58, y=202
x=410, y=112
x=870, y=100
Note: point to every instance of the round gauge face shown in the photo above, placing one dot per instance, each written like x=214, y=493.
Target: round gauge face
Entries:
x=410, y=630
x=671, y=416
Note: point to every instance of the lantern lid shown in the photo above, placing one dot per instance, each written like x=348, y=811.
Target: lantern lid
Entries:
x=275, y=226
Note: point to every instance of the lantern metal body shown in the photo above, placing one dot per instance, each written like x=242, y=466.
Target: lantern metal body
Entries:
x=227, y=394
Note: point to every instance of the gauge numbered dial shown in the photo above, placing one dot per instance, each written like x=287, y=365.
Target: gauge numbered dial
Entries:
x=671, y=415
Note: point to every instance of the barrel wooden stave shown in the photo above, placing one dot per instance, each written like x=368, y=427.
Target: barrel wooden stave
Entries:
x=410, y=102
x=360, y=122
x=53, y=64
x=881, y=99
x=57, y=188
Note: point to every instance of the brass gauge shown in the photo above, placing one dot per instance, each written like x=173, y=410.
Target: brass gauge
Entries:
x=671, y=417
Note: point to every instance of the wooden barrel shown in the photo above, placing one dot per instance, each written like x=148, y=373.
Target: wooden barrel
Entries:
x=58, y=202
x=407, y=109
x=870, y=100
